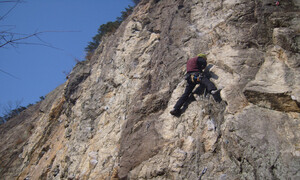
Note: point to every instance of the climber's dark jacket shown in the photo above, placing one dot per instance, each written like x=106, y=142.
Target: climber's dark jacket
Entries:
x=196, y=64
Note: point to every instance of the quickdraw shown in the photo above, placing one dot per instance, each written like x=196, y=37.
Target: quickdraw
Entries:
x=203, y=172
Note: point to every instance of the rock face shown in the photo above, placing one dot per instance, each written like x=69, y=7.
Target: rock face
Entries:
x=111, y=119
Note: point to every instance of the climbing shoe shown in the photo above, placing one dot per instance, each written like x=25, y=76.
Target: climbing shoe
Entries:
x=214, y=91
x=175, y=112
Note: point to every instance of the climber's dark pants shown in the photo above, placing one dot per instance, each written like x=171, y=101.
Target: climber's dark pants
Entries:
x=189, y=89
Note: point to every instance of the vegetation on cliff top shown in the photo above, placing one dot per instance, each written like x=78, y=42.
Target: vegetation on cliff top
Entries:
x=104, y=29
x=107, y=29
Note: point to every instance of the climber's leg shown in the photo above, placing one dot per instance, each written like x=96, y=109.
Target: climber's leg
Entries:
x=188, y=90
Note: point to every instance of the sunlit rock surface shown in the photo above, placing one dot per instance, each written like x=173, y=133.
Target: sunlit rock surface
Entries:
x=110, y=119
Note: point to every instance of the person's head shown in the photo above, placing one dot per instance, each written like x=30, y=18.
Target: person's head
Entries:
x=202, y=61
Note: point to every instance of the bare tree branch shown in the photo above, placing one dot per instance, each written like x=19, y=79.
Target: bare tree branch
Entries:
x=9, y=38
x=12, y=8
x=13, y=40
x=10, y=1
x=9, y=74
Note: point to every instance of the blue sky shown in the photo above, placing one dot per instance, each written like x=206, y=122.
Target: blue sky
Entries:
x=38, y=69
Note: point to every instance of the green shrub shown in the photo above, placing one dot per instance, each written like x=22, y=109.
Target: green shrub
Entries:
x=104, y=29
x=11, y=114
x=107, y=29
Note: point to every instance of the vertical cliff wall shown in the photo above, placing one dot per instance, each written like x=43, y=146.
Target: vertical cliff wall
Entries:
x=111, y=119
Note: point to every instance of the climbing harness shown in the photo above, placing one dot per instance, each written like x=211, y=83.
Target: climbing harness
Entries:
x=195, y=78
x=203, y=172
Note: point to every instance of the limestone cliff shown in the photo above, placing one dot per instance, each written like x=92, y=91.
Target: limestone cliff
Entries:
x=111, y=119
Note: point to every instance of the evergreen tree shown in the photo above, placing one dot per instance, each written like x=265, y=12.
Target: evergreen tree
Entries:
x=136, y=2
x=108, y=28
x=1, y=120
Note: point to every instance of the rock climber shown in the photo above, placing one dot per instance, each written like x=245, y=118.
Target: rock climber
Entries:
x=195, y=75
